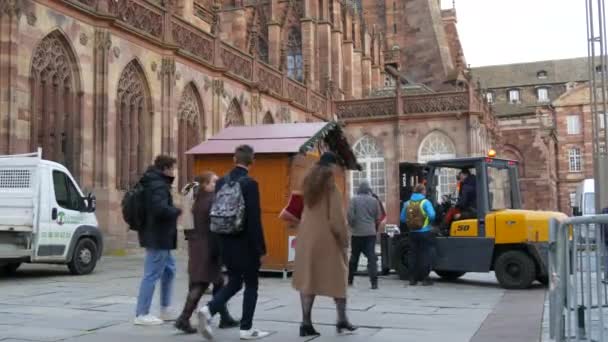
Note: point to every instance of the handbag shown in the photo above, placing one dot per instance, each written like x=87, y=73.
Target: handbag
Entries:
x=189, y=193
x=292, y=213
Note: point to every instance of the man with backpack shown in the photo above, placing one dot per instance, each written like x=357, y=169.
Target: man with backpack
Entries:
x=158, y=235
x=417, y=215
x=236, y=218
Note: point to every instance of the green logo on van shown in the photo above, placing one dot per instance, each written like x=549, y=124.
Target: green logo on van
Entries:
x=61, y=218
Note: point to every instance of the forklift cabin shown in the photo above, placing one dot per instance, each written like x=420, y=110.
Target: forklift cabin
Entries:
x=468, y=245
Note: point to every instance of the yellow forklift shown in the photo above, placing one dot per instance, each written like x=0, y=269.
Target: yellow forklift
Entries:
x=502, y=238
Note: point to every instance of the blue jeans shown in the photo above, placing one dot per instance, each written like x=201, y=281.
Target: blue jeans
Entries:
x=159, y=264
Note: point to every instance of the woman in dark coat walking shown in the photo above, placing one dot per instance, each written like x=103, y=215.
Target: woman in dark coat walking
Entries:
x=204, y=266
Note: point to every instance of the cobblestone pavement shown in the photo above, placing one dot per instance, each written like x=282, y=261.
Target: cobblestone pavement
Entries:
x=45, y=303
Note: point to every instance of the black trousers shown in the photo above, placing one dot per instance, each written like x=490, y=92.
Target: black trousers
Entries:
x=420, y=255
x=238, y=275
x=367, y=246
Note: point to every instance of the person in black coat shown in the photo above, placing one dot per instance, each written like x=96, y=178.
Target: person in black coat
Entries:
x=241, y=253
x=158, y=236
x=467, y=198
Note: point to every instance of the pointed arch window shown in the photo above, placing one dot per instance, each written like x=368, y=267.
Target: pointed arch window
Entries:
x=268, y=119
x=262, y=48
x=190, y=131
x=438, y=146
x=56, y=97
x=371, y=158
x=234, y=116
x=295, y=63
x=134, y=133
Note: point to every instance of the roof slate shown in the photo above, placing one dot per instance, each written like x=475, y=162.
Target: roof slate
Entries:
x=522, y=74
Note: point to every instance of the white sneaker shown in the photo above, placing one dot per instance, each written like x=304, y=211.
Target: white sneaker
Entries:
x=253, y=334
x=204, y=323
x=147, y=320
x=168, y=314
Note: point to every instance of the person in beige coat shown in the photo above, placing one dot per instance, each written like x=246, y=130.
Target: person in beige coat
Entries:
x=321, y=263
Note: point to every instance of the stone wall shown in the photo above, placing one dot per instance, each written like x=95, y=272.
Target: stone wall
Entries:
x=521, y=140
x=446, y=117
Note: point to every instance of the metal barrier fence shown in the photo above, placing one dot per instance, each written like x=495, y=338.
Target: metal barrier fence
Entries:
x=578, y=278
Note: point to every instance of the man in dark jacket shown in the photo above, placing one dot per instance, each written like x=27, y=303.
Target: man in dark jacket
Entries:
x=241, y=253
x=467, y=198
x=158, y=237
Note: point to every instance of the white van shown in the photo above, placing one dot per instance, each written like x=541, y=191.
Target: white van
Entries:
x=44, y=217
x=584, y=199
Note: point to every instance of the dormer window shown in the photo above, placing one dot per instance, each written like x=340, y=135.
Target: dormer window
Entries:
x=490, y=97
x=542, y=95
x=514, y=96
x=541, y=75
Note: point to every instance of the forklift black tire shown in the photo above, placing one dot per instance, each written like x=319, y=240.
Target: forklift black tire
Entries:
x=450, y=275
x=84, y=258
x=515, y=270
x=10, y=268
x=400, y=259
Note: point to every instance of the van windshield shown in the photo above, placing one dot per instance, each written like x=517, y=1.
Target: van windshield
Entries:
x=589, y=204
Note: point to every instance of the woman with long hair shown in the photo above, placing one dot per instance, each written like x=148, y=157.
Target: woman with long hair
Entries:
x=204, y=266
x=321, y=264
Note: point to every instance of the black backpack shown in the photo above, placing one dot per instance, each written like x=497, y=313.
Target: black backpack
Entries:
x=133, y=211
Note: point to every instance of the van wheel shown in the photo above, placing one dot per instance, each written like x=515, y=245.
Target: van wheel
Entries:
x=449, y=275
x=400, y=258
x=515, y=270
x=10, y=268
x=84, y=257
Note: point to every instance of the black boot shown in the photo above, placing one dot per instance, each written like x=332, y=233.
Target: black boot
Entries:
x=345, y=328
x=308, y=330
x=226, y=321
x=374, y=284
x=184, y=326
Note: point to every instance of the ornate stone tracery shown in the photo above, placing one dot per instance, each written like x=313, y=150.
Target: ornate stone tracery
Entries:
x=268, y=119
x=55, y=111
x=138, y=16
x=257, y=31
x=134, y=125
x=190, y=115
x=234, y=115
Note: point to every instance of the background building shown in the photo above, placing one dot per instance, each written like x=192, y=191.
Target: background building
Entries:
x=545, y=123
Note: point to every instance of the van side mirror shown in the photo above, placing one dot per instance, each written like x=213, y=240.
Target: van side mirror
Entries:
x=90, y=203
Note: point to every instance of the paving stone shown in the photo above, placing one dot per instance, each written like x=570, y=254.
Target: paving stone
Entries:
x=48, y=305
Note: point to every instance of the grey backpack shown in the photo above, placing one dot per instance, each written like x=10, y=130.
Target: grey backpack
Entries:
x=228, y=210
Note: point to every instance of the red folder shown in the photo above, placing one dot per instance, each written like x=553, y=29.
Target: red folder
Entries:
x=293, y=211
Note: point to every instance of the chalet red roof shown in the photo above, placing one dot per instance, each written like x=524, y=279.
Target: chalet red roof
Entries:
x=280, y=138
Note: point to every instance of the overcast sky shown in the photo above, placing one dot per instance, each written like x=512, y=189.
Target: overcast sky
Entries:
x=513, y=31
